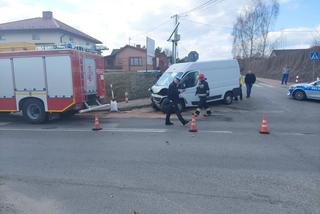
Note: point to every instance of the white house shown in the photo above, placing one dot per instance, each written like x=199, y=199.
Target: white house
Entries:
x=45, y=32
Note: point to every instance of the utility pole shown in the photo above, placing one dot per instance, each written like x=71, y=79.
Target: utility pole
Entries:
x=174, y=38
x=174, y=41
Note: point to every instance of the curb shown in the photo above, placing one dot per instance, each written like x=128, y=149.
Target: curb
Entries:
x=129, y=108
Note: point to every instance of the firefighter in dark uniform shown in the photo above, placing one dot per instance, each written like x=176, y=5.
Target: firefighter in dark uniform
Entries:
x=203, y=92
x=173, y=96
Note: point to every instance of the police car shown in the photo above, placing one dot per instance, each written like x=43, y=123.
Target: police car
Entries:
x=305, y=91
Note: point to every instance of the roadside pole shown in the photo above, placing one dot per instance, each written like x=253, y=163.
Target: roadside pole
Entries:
x=314, y=56
x=314, y=76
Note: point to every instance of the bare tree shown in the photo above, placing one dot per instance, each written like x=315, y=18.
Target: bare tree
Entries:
x=316, y=39
x=251, y=30
x=167, y=51
x=267, y=15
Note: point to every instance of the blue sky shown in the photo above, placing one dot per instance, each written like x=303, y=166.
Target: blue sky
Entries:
x=299, y=13
x=206, y=31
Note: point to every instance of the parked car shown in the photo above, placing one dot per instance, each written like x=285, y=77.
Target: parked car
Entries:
x=222, y=76
x=305, y=91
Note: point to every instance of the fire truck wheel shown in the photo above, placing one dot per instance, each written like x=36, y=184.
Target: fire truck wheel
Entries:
x=34, y=112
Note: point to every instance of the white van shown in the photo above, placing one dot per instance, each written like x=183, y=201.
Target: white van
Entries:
x=222, y=76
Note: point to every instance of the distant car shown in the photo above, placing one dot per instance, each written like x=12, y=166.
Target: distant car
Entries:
x=305, y=91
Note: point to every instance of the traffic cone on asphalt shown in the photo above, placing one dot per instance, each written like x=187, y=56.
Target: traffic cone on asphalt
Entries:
x=96, y=126
x=264, y=125
x=193, y=127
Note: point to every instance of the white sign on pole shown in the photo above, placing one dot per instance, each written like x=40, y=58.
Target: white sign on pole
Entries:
x=150, y=50
x=149, y=60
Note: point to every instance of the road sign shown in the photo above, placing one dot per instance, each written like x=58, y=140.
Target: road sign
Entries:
x=314, y=56
x=150, y=50
x=193, y=56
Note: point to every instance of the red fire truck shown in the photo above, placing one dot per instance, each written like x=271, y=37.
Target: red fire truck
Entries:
x=40, y=83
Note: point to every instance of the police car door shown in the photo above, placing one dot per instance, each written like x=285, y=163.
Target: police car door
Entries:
x=314, y=92
x=189, y=83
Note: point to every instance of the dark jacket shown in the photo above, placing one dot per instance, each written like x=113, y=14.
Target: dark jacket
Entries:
x=203, y=89
x=250, y=79
x=173, y=92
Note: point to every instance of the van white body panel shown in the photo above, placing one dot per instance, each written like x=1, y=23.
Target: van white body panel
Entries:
x=222, y=77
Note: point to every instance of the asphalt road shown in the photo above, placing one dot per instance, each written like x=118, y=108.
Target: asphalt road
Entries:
x=139, y=165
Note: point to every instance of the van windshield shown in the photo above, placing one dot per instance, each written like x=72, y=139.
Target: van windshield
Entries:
x=167, y=78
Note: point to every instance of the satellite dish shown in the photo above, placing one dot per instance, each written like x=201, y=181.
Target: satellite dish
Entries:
x=193, y=56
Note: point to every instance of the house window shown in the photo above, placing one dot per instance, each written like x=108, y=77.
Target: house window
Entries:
x=35, y=36
x=136, y=61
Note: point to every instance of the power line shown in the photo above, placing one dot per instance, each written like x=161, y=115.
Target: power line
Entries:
x=152, y=30
x=199, y=7
x=215, y=3
x=161, y=24
x=203, y=23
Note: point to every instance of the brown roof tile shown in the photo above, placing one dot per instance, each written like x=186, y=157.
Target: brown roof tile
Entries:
x=44, y=24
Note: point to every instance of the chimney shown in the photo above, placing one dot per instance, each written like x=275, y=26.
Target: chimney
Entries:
x=47, y=15
x=138, y=46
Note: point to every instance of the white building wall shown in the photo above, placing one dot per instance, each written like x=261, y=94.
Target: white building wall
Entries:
x=45, y=37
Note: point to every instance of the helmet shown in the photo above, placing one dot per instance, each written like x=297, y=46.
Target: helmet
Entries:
x=201, y=76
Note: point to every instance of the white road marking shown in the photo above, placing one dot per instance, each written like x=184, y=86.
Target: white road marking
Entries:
x=295, y=134
x=271, y=111
x=136, y=130
x=257, y=85
x=143, y=130
x=217, y=132
x=88, y=130
x=264, y=84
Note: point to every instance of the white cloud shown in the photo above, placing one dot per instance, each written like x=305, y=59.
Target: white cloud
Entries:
x=113, y=22
x=300, y=37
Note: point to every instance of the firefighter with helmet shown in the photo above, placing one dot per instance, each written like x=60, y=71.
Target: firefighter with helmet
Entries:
x=203, y=92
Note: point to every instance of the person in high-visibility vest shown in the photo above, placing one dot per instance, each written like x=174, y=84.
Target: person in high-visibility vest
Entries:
x=203, y=91
x=241, y=82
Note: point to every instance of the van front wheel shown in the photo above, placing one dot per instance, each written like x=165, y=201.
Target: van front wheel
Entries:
x=228, y=97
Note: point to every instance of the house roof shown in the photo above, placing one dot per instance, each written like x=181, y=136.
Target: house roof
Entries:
x=116, y=51
x=44, y=23
x=133, y=47
x=286, y=52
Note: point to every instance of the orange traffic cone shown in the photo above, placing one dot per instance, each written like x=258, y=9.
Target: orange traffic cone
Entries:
x=96, y=126
x=264, y=125
x=193, y=127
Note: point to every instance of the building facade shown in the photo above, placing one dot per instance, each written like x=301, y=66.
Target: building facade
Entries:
x=45, y=32
x=134, y=58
